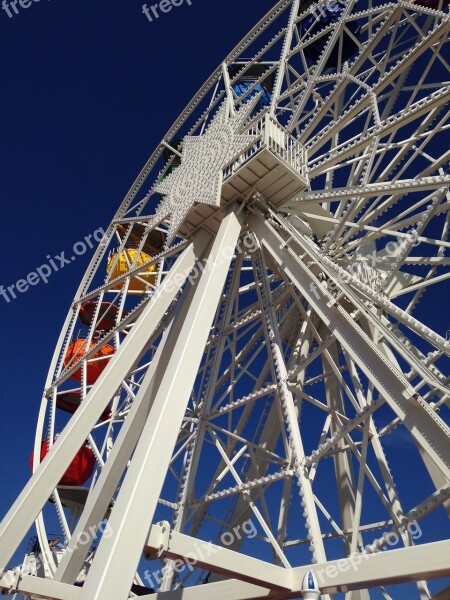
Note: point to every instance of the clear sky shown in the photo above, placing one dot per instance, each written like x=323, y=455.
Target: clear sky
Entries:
x=88, y=89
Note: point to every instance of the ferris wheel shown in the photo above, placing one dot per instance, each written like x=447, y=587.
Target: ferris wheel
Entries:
x=249, y=396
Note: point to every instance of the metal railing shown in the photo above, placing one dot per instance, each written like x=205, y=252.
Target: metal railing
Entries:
x=271, y=135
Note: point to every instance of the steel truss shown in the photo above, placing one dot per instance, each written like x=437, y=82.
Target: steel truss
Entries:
x=271, y=358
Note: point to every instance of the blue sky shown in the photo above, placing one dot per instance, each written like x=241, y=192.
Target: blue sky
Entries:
x=88, y=90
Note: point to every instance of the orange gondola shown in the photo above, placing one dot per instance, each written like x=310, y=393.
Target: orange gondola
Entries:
x=96, y=364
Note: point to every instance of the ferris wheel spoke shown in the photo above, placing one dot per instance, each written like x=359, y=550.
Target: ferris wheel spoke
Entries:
x=198, y=515
x=387, y=124
x=378, y=208
x=286, y=399
x=360, y=142
x=266, y=528
x=425, y=283
x=398, y=314
x=283, y=65
x=417, y=296
x=301, y=103
x=267, y=440
x=405, y=249
x=343, y=82
x=422, y=151
x=395, y=399
x=367, y=472
x=424, y=134
x=356, y=540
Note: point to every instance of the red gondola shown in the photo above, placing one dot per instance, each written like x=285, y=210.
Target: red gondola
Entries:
x=107, y=315
x=70, y=401
x=80, y=469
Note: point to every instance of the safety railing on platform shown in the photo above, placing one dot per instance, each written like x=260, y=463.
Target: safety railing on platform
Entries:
x=271, y=135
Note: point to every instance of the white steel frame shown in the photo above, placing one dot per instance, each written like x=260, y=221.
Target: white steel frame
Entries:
x=280, y=342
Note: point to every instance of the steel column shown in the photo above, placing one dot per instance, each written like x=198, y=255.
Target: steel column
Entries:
x=117, y=556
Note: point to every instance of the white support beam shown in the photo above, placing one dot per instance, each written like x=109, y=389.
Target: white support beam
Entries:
x=425, y=426
x=117, y=557
x=207, y=390
x=427, y=561
x=282, y=66
x=38, y=587
x=217, y=558
x=35, y=494
x=403, y=186
x=100, y=497
x=231, y=589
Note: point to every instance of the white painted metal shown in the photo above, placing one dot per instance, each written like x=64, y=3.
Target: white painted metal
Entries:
x=133, y=511
x=46, y=477
x=270, y=351
x=219, y=559
x=402, y=565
